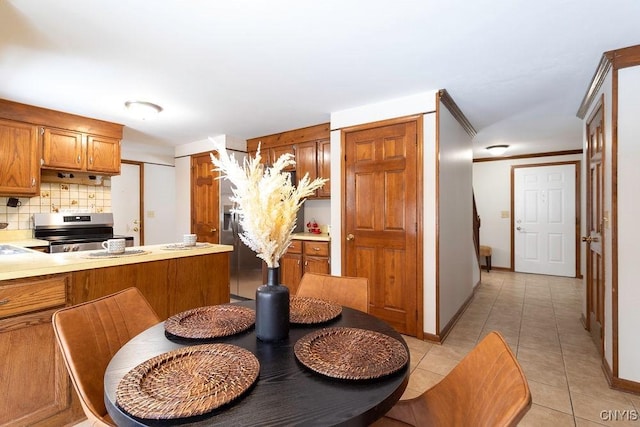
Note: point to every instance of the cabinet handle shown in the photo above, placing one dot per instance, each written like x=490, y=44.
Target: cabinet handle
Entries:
x=90, y=160
x=306, y=263
x=5, y=301
x=41, y=162
x=316, y=249
x=213, y=230
x=78, y=160
x=33, y=182
x=298, y=262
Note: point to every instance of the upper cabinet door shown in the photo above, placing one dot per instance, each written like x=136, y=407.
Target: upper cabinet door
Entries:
x=276, y=152
x=62, y=149
x=324, y=167
x=19, y=171
x=306, y=161
x=103, y=154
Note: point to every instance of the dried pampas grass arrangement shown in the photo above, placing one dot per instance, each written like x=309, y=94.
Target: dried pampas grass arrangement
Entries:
x=266, y=200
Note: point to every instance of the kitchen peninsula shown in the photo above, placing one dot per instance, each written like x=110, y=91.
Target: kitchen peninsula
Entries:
x=34, y=284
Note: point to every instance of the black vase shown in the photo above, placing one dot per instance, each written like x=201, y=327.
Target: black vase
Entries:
x=272, y=309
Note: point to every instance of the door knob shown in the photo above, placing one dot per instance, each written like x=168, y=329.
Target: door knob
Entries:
x=135, y=228
x=519, y=228
x=350, y=236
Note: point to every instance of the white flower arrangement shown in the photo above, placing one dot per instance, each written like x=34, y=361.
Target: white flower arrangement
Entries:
x=266, y=200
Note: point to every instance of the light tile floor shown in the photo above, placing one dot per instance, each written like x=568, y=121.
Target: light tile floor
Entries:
x=539, y=316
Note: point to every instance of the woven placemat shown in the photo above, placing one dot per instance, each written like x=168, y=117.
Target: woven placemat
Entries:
x=182, y=246
x=304, y=310
x=211, y=322
x=105, y=254
x=187, y=382
x=351, y=353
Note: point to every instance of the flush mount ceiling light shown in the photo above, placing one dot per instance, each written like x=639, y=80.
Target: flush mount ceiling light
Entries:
x=497, y=150
x=142, y=109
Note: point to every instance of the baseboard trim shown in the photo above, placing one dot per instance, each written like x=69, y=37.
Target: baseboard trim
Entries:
x=439, y=338
x=619, y=383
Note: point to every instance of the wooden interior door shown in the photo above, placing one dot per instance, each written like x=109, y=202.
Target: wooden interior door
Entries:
x=381, y=219
x=595, y=226
x=205, y=199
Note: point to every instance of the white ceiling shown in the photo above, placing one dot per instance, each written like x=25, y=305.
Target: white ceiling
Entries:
x=245, y=68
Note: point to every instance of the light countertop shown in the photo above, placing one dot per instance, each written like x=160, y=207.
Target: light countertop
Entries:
x=322, y=237
x=36, y=263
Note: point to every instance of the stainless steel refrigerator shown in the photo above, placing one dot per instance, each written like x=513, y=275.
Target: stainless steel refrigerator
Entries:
x=245, y=267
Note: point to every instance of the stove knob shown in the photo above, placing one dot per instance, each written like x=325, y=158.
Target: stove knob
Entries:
x=65, y=249
x=75, y=248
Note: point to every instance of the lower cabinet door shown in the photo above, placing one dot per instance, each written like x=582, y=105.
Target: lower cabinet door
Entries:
x=316, y=265
x=291, y=271
x=35, y=387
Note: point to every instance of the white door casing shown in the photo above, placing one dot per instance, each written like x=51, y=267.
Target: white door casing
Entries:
x=125, y=202
x=545, y=220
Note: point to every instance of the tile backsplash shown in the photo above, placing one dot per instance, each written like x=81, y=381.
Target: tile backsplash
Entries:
x=57, y=197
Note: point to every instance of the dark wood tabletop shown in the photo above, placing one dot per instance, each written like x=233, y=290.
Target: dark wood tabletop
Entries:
x=286, y=392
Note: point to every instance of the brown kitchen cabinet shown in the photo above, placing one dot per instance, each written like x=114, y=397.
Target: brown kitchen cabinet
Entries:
x=301, y=257
x=171, y=286
x=35, y=386
x=76, y=151
x=324, y=167
x=63, y=142
x=276, y=152
x=316, y=257
x=19, y=170
x=314, y=158
x=291, y=267
x=311, y=149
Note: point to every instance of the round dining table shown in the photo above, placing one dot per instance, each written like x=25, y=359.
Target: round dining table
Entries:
x=286, y=392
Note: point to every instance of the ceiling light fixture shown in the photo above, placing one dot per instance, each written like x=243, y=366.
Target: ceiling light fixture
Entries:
x=497, y=150
x=142, y=109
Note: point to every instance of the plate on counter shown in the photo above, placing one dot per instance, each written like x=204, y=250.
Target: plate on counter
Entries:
x=182, y=246
x=105, y=254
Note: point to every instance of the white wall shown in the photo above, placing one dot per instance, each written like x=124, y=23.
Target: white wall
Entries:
x=455, y=221
x=628, y=230
x=429, y=223
x=159, y=189
x=162, y=155
x=159, y=198
x=492, y=189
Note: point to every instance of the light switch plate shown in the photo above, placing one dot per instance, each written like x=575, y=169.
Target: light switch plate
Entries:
x=504, y=214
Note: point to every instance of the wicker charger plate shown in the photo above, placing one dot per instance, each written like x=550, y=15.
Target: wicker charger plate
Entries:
x=187, y=382
x=105, y=254
x=351, y=353
x=211, y=321
x=304, y=310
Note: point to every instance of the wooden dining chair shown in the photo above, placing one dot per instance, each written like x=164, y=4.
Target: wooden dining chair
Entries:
x=352, y=292
x=487, y=388
x=89, y=334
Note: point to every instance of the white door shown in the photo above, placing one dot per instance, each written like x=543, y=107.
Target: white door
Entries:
x=545, y=220
x=125, y=202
